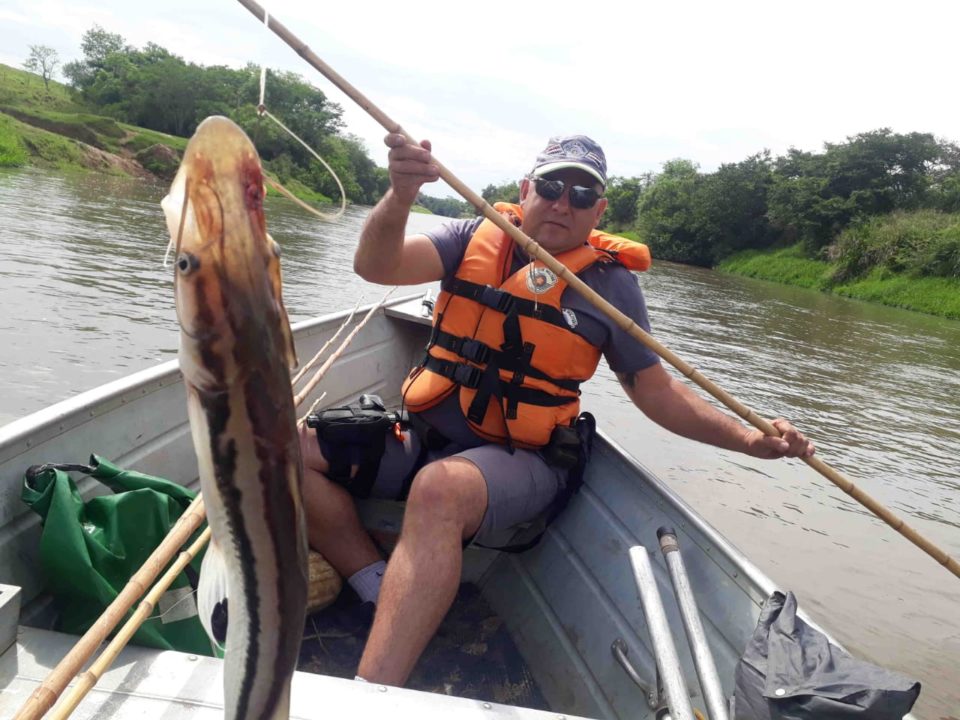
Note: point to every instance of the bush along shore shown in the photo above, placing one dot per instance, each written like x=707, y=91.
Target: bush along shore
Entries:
x=909, y=260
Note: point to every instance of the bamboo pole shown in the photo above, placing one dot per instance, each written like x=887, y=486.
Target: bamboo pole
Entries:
x=86, y=680
x=43, y=698
x=622, y=321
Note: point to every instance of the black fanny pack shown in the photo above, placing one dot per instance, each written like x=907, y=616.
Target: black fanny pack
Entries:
x=354, y=435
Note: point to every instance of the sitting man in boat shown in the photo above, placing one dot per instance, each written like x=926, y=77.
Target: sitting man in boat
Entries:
x=495, y=400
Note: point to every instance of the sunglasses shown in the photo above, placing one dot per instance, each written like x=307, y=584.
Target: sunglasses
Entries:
x=581, y=197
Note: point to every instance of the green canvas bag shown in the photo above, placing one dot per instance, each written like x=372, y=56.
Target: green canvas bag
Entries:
x=89, y=550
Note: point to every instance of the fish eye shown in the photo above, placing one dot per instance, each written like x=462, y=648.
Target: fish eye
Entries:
x=187, y=263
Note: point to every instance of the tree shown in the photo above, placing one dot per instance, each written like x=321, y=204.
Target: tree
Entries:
x=43, y=60
x=731, y=207
x=667, y=215
x=508, y=192
x=622, y=195
x=97, y=45
x=814, y=197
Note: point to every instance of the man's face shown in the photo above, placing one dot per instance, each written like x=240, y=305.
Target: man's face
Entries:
x=556, y=224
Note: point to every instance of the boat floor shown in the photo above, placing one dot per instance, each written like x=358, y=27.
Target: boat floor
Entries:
x=471, y=656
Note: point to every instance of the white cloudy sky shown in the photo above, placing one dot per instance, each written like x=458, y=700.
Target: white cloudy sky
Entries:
x=489, y=82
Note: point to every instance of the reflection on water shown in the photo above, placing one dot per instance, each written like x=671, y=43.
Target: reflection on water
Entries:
x=86, y=300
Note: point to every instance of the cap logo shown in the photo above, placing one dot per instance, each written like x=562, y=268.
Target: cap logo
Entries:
x=572, y=151
x=574, y=148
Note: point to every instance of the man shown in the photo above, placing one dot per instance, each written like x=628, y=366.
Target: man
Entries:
x=489, y=475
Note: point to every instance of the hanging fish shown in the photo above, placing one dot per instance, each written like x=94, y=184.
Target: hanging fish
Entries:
x=236, y=349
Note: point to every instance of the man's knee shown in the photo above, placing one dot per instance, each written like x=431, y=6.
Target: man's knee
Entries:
x=451, y=489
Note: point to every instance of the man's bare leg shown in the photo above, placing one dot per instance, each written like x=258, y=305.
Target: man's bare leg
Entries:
x=446, y=505
x=333, y=526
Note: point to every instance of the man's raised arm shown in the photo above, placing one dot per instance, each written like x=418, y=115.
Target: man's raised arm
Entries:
x=384, y=255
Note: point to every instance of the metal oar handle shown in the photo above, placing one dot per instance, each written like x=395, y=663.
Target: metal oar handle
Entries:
x=668, y=662
x=702, y=657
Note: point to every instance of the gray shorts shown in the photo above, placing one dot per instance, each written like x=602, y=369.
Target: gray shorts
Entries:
x=519, y=486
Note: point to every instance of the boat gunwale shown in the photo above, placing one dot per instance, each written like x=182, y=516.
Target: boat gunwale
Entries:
x=49, y=422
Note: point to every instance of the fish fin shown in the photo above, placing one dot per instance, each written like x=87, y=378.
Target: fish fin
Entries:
x=212, y=595
x=276, y=283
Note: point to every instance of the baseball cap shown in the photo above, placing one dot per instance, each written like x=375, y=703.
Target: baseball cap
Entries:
x=572, y=151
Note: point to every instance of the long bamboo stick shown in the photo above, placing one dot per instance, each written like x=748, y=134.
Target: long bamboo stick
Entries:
x=43, y=698
x=624, y=322
x=86, y=680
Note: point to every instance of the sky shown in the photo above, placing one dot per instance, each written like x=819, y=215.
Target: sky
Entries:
x=488, y=83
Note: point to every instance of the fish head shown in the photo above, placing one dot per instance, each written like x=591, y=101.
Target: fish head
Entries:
x=227, y=268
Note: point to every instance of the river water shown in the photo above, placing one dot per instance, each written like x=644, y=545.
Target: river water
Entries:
x=85, y=299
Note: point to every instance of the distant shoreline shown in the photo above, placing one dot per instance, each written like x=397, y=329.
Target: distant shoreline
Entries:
x=931, y=295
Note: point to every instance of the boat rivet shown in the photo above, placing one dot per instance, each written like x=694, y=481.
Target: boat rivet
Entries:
x=192, y=658
x=382, y=688
x=780, y=692
x=487, y=706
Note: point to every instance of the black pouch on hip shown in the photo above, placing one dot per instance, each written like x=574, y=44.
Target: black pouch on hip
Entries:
x=354, y=435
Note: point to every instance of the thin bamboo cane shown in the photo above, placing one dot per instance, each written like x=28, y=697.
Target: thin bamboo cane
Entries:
x=316, y=358
x=315, y=380
x=622, y=321
x=86, y=680
x=43, y=698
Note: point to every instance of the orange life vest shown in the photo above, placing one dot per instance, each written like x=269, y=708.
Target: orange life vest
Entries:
x=505, y=342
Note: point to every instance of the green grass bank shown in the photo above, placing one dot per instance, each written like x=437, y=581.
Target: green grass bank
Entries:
x=929, y=294
x=50, y=127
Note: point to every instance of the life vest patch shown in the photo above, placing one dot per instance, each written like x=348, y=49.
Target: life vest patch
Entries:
x=571, y=317
x=540, y=280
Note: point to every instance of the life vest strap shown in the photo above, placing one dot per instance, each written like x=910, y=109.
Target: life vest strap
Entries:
x=504, y=302
x=470, y=377
x=486, y=295
x=462, y=374
x=480, y=353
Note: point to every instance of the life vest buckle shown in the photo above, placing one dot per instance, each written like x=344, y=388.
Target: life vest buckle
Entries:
x=496, y=299
x=475, y=351
x=467, y=376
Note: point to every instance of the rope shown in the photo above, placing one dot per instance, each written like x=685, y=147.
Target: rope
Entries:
x=275, y=184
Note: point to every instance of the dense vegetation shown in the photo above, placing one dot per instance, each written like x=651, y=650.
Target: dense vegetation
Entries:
x=155, y=89
x=878, y=205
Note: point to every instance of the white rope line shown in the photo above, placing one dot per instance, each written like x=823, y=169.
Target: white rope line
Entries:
x=277, y=186
x=262, y=110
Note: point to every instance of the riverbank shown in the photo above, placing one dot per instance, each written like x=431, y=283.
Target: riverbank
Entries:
x=47, y=127
x=933, y=295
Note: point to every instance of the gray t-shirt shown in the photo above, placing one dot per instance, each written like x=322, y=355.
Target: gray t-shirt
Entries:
x=612, y=281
